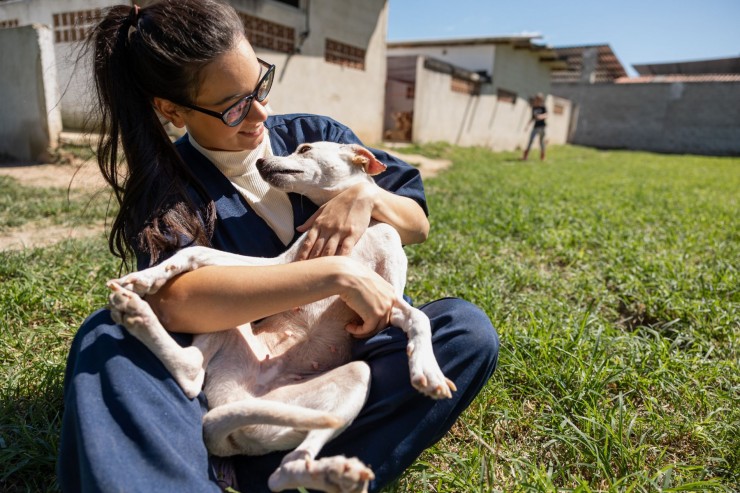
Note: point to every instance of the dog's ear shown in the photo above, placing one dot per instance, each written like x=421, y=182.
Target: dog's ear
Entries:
x=367, y=160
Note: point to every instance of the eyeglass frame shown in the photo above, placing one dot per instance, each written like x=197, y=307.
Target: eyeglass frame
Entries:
x=250, y=97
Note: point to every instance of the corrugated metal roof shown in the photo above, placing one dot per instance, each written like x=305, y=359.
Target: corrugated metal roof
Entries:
x=712, y=66
x=607, y=68
x=656, y=79
x=547, y=54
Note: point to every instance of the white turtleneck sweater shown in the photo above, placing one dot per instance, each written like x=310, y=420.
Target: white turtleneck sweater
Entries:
x=240, y=168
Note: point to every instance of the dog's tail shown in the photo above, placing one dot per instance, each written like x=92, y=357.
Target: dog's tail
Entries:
x=221, y=421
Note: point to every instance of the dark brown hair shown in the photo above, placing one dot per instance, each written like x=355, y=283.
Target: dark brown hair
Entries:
x=139, y=54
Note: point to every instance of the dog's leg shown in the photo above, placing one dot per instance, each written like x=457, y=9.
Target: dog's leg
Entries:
x=263, y=421
x=184, y=364
x=426, y=375
x=149, y=281
x=344, y=390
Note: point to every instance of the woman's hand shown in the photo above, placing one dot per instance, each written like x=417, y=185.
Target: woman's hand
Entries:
x=370, y=296
x=338, y=224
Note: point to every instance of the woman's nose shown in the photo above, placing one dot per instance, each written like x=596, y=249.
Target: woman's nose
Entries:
x=258, y=112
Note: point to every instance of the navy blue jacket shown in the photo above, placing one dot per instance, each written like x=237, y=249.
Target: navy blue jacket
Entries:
x=238, y=228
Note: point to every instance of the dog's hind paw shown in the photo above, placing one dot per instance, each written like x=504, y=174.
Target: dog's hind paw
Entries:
x=337, y=474
x=426, y=375
x=129, y=310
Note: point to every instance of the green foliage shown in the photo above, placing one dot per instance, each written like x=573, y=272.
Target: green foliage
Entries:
x=612, y=278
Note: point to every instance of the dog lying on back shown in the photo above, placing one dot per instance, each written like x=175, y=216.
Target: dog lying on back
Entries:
x=287, y=381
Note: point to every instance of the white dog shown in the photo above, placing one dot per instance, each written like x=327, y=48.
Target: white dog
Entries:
x=287, y=380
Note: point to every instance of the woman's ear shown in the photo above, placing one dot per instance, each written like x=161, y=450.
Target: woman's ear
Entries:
x=169, y=111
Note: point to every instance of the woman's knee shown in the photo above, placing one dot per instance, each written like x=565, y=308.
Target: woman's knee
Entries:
x=464, y=328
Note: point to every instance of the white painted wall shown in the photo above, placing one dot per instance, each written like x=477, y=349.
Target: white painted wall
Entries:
x=477, y=120
x=73, y=80
x=30, y=120
x=473, y=58
x=520, y=71
x=304, y=82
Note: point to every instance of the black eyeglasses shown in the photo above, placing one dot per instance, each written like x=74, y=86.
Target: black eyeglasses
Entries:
x=234, y=114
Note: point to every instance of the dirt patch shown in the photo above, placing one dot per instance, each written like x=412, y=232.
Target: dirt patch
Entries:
x=428, y=167
x=73, y=174
x=34, y=235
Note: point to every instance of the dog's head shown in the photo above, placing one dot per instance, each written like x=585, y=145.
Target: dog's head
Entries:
x=320, y=170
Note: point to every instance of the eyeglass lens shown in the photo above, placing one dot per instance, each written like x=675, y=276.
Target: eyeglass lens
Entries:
x=239, y=111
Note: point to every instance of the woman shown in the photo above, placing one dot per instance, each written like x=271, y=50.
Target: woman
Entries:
x=539, y=115
x=127, y=426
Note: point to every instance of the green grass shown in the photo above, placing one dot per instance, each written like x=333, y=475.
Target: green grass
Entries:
x=20, y=205
x=612, y=278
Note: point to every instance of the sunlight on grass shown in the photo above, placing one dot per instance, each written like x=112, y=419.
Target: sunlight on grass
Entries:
x=612, y=278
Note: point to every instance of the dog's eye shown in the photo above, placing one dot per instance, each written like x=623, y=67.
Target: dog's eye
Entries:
x=304, y=149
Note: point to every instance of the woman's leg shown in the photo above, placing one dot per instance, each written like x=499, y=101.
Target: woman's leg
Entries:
x=398, y=423
x=542, y=143
x=127, y=425
x=532, y=135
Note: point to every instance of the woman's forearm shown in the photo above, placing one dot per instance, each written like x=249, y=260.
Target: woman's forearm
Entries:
x=220, y=297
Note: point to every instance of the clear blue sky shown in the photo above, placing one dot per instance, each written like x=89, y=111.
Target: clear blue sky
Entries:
x=638, y=31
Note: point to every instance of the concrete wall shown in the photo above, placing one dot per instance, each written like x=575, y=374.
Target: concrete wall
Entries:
x=478, y=120
x=30, y=120
x=694, y=118
x=307, y=83
x=73, y=79
x=304, y=82
x=472, y=57
x=520, y=71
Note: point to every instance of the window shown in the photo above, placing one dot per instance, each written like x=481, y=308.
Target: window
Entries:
x=8, y=23
x=506, y=96
x=74, y=26
x=268, y=35
x=464, y=86
x=344, y=54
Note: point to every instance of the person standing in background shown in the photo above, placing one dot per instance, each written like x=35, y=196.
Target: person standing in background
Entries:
x=539, y=115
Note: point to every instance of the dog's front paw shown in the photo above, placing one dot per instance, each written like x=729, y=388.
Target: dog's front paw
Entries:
x=128, y=309
x=149, y=281
x=142, y=282
x=331, y=474
x=426, y=375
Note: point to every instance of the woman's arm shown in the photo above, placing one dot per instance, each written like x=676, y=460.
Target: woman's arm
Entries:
x=338, y=225
x=218, y=297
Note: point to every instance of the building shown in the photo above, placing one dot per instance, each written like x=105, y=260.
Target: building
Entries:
x=330, y=55
x=472, y=91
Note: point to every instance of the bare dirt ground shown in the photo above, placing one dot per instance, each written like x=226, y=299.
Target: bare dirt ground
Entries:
x=79, y=175
x=75, y=175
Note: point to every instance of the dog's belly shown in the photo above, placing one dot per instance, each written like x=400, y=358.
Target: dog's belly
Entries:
x=290, y=348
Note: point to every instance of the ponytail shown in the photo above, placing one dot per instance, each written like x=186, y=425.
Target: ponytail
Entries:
x=140, y=54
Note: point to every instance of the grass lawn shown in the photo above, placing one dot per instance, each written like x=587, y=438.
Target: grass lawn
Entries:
x=612, y=278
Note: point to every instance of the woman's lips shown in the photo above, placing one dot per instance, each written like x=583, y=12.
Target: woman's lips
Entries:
x=255, y=132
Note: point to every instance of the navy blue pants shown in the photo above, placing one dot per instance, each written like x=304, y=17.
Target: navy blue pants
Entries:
x=127, y=426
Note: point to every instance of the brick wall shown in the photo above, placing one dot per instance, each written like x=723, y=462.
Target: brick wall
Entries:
x=678, y=117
